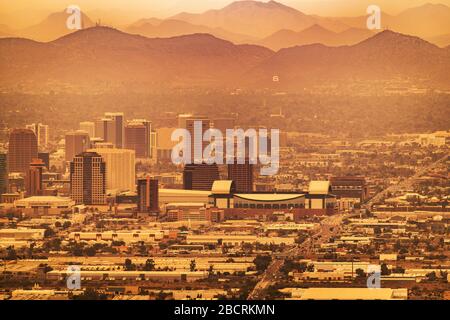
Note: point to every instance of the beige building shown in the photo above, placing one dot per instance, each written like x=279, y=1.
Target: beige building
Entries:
x=120, y=168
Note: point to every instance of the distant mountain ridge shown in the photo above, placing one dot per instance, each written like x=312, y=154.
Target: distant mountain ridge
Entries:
x=54, y=26
x=154, y=28
x=387, y=55
x=102, y=54
x=106, y=55
x=270, y=23
x=314, y=34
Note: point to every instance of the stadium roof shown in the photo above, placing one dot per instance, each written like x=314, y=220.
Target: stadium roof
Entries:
x=319, y=187
x=269, y=197
x=222, y=187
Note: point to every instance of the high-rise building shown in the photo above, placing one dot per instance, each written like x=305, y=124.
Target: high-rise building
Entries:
x=120, y=168
x=22, y=149
x=76, y=143
x=89, y=127
x=45, y=157
x=118, y=128
x=148, y=195
x=242, y=176
x=41, y=132
x=198, y=142
x=3, y=173
x=138, y=137
x=88, y=179
x=33, y=179
x=103, y=128
x=200, y=176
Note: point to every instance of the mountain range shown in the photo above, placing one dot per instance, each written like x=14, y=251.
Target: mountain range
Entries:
x=272, y=24
x=106, y=55
x=314, y=34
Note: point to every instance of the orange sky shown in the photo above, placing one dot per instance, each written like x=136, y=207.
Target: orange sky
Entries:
x=25, y=12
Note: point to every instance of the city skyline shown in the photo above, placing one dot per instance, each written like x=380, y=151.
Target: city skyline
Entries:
x=259, y=155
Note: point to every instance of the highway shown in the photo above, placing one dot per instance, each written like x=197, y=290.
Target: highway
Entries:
x=329, y=227
x=405, y=184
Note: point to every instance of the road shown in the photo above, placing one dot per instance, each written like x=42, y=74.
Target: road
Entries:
x=405, y=184
x=329, y=227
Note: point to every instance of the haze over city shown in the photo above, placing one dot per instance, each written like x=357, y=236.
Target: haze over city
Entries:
x=136, y=138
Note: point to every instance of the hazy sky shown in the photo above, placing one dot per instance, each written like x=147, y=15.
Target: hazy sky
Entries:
x=23, y=12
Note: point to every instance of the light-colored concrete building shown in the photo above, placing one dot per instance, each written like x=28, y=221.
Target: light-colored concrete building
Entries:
x=120, y=168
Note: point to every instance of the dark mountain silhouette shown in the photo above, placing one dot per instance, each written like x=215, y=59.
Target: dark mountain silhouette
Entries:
x=385, y=56
x=108, y=55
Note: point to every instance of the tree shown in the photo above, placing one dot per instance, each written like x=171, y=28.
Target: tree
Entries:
x=360, y=273
x=129, y=265
x=90, y=251
x=11, y=253
x=49, y=233
x=193, y=265
x=262, y=262
x=211, y=270
x=431, y=276
x=385, y=270
x=398, y=269
x=67, y=225
x=149, y=265
x=90, y=294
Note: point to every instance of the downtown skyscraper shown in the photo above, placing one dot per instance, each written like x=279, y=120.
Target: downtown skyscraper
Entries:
x=76, y=142
x=3, y=173
x=120, y=168
x=138, y=137
x=148, y=195
x=22, y=149
x=110, y=128
x=88, y=179
x=42, y=134
x=33, y=179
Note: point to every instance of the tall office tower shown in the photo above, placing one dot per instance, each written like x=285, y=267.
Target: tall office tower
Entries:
x=138, y=137
x=153, y=139
x=148, y=195
x=242, y=175
x=200, y=176
x=76, y=143
x=33, y=180
x=99, y=128
x=88, y=179
x=118, y=126
x=197, y=143
x=45, y=157
x=3, y=173
x=89, y=127
x=22, y=149
x=41, y=132
x=120, y=168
